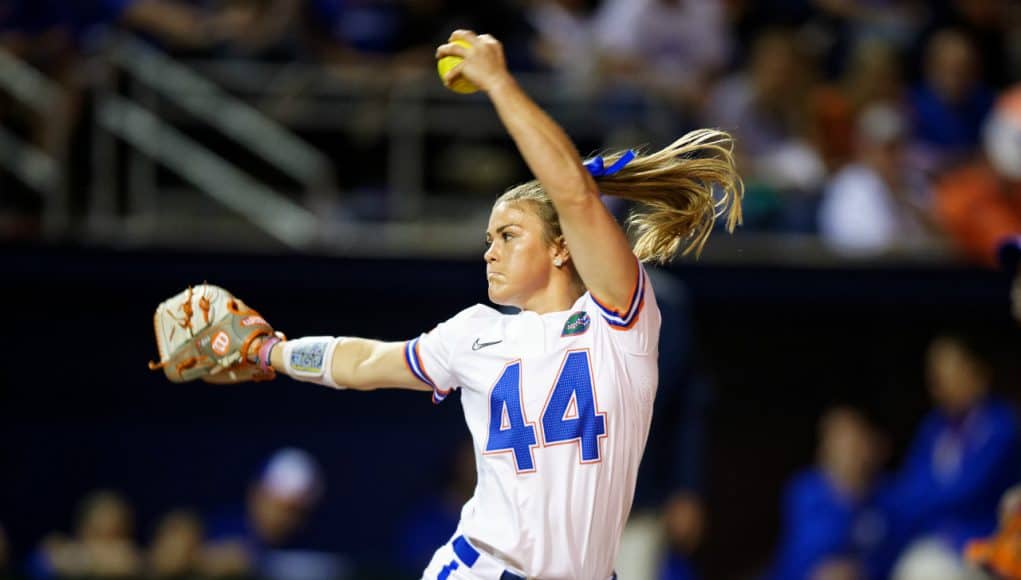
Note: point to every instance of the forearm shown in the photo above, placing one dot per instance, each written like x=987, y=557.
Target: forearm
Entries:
x=353, y=363
x=547, y=150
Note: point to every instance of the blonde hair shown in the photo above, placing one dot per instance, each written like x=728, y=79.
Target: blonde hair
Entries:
x=681, y=190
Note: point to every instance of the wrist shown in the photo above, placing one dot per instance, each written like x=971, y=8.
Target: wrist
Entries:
x=501, y=83
x=252, y=355
x=265, y=352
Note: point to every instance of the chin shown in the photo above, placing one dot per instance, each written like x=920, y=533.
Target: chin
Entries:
x=495, y=298
x=499, y=298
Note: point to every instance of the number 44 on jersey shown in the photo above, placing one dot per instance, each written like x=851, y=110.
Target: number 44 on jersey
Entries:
x=570, y=414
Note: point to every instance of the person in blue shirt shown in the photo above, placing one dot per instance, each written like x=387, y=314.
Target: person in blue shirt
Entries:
x=951, y=103
x=264, y=538
x=966, y=454
x=833, y=524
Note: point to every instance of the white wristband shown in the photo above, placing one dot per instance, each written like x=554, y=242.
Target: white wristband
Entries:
x=310, y=359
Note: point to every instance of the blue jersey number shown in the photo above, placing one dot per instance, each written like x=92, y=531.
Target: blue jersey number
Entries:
x=507, y=427
x=570, y=413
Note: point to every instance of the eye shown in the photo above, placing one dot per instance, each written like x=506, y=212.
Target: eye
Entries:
x=506, y=236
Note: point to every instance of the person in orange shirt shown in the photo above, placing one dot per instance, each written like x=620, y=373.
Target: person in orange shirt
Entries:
x=979, y=204
x=1000, y=555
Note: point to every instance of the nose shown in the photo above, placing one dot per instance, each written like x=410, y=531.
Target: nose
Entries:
x=489, y=255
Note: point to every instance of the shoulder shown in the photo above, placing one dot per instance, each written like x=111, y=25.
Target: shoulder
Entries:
x=642, y=293
x=474, y=313
x=470, y=320
x=1001, y=412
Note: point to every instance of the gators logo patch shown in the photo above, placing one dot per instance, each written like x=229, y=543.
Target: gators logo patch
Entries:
x=577, y=323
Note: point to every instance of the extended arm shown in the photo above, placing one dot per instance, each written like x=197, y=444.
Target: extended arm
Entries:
x=362, y=364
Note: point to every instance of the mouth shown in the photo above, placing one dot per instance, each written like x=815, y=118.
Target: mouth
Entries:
x=491, y=275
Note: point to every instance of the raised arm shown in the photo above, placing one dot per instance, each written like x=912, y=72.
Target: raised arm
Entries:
x=595, y=242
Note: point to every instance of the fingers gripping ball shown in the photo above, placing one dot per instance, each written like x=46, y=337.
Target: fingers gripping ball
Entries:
x=443, y=66
x=206, y=333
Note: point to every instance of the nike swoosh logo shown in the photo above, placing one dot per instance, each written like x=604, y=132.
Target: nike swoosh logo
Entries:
x=479, y=345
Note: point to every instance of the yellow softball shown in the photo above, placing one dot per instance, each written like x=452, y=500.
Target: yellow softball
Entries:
x=443, y=66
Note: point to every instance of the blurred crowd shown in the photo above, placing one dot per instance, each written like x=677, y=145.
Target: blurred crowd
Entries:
x=877, y=124
x=259, y=537
x=846, y=518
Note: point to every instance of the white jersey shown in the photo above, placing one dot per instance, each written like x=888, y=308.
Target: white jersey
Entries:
x=559, y=407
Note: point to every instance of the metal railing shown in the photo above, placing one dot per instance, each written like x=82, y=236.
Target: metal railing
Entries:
x=163, y=110
x=41, y=171
x=152, y=103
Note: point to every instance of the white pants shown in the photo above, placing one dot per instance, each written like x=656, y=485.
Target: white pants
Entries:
x=459, y=560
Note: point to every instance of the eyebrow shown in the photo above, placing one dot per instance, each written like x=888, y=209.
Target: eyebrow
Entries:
x=503, y=227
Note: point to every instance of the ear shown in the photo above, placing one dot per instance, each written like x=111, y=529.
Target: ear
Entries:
x=559, y=251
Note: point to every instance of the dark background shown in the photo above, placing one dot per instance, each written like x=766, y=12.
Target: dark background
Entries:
x=79, y=409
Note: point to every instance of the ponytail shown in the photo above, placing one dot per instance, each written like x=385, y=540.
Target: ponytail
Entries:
x=681, y=191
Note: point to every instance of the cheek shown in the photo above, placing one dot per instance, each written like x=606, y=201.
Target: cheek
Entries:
x=526, y=263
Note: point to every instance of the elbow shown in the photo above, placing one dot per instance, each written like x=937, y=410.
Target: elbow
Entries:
x=353, y=380
x=572, y=192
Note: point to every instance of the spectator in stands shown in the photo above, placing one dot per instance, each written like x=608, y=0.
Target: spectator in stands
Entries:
x=953, y=100
x=832, y=524
x=399, y=34
x=966, y=453
x=851, y=22
x=363, y=33
x=565, y=42
x=1000, y=554
x=260, y=29
x=764, y=107
x=876, y=203
x=263, y=538
x=669, y=48
x=176, y=547
x=992, y=26
x=873, y=75
x=979, y=204
x=103, y=545
x=684, y=519
x=1011, y=503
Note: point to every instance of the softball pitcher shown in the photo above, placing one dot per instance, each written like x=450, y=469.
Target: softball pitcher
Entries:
x=558, y=398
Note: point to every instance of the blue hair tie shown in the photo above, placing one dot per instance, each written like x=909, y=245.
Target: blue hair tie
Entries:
x=597, y=168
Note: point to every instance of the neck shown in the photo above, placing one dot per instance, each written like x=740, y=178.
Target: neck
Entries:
x=560, y=295
x=851, y=482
